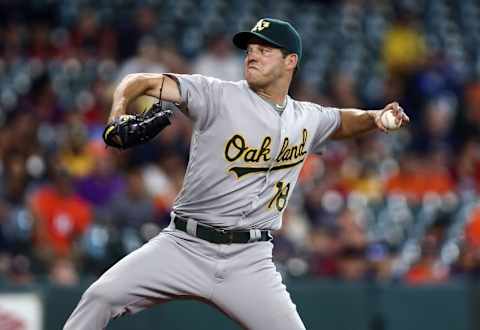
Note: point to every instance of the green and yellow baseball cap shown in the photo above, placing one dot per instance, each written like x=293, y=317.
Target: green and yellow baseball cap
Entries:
x=274, y=31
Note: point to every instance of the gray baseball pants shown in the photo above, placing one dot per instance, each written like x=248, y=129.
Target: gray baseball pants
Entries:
x=240, y=279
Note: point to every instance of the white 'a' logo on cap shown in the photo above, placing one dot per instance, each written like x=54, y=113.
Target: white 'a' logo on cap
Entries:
x=261, y=24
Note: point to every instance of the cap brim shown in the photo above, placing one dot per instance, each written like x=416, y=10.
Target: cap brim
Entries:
x=241, y=39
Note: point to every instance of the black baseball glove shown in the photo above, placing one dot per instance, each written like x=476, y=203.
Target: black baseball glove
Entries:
x=131, y=130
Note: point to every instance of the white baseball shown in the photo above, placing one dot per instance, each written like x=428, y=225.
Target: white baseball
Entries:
x=389, y=122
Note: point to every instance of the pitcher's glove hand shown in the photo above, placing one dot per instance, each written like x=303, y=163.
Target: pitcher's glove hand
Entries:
x=130, y=130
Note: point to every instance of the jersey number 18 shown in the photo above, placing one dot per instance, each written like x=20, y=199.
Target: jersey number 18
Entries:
x=280, y=197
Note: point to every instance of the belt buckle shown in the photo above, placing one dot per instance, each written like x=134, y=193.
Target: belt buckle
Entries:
x=227, y=234
x=230, y=237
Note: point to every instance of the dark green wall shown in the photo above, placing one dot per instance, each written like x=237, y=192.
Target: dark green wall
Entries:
x=322, y=305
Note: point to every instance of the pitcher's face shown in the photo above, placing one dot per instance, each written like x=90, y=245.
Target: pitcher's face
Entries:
x=263, y=64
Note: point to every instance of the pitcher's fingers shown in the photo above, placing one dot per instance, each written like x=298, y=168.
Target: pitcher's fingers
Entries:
x=379, y=124
x=396, y=109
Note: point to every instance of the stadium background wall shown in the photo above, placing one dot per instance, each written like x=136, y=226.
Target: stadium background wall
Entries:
x=324, y=305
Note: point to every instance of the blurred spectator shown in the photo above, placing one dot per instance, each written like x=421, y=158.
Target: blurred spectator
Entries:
x=160, y=189
x=63, y=272
x=470, y=118
x=467, y=265
x=20, y=271
x=132, y=207
x=23, y=127
x=303, y=90
x=344, y=90
x=101, y=184
x=61, y=215
x=360, y=178
x=74, y=154
x=438, y=121
x=380, y=260
x=219, y=60
x=472, y=229
x=92, y=39
x=5, y=259
x=324, y=197
x=15, y=180
x=172, y=59
x=142, y=22
x=436, y=173
x=435, y=79
x=44, y=101
x=324, y=250
x=95, y=113
x=12, y=46
x=351, y=230
x=404, y=46
x=15, y=220
x=41, y=46
x=406, y=181
x=291, y=242
x=147, y=59
x=468, y=167
x=425, y=270
x=417, y=177
x=352, y=264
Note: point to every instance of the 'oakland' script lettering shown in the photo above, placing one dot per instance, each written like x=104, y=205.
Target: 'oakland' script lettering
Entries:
x=287, y=152
x=237, y=147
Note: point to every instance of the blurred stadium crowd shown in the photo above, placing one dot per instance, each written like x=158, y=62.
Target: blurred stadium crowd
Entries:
x=402, y=206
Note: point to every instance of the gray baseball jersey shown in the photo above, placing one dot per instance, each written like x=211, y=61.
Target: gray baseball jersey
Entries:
x=245, y=159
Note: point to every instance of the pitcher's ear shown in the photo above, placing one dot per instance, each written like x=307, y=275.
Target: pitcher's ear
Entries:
x=292, y=60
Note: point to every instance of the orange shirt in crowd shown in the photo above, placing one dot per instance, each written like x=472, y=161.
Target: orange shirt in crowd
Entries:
x=424, y=273
x=472, y=229
x=60, y=219
x=416, y=185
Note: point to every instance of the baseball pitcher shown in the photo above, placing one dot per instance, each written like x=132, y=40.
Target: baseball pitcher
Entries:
x=248, y=145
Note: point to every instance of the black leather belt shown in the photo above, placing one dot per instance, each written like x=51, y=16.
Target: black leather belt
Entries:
x=220, y=236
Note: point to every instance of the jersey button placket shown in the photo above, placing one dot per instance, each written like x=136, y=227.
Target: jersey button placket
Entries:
x=283, y=133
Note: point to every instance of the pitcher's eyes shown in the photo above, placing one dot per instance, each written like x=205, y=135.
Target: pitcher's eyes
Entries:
x=266, y=50
x=262, y=49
